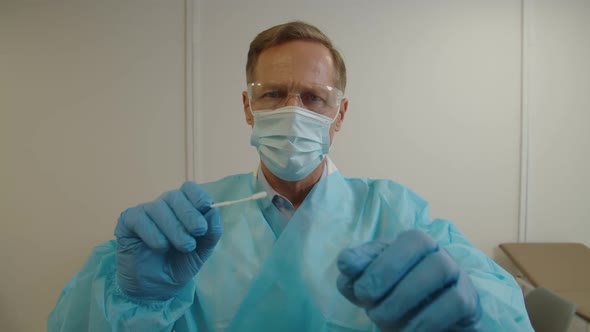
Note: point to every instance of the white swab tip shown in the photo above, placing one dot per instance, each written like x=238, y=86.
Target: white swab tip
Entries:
x=259, y=195
x=256, y=196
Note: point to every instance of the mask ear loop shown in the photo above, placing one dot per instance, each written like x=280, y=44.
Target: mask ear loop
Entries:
x=333, y=120
x=337, y=113
x=249, y=101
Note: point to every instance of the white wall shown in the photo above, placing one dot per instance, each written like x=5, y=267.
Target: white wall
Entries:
x=91, y=122
x=434, y=91
x=559, y=92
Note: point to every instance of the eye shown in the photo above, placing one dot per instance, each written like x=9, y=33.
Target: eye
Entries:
x=272, y=94
x=313, y=98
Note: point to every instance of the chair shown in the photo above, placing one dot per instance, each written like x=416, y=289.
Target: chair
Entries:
x=548, y=311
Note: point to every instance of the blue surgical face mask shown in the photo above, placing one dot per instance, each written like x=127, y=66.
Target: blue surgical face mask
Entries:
x=291, y=141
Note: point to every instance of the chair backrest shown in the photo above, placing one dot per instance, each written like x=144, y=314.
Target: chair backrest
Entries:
x=548, y=311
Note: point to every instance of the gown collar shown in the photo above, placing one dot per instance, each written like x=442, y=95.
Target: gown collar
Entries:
x=278, y=216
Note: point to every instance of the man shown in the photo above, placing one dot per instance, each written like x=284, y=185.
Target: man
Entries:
x=321, y=253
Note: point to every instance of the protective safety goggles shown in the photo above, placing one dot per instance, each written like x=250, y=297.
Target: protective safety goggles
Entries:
x=318, y=98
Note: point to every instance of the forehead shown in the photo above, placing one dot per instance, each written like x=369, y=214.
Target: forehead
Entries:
x=296, y=61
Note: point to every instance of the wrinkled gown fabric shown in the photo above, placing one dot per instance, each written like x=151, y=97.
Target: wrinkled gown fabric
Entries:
x=262, y=277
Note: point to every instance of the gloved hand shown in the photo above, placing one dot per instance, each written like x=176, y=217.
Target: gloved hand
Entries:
x=161, y=245
x=409, y=284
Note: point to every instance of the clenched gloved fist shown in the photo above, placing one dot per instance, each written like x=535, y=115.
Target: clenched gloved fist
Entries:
x=409, y=284
x=161, y=245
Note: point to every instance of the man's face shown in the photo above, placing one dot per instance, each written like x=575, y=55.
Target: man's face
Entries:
x=294, y=62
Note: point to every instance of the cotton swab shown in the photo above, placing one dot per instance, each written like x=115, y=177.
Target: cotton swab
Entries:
x=259, y=195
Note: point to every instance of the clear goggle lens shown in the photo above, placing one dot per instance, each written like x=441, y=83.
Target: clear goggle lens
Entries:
x=318, y=98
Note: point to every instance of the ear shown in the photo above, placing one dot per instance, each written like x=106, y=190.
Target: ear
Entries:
x=341, y=114
x=247, y=113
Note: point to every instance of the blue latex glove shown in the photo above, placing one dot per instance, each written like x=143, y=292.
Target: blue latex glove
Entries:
x=161, y=245
x=409, y=284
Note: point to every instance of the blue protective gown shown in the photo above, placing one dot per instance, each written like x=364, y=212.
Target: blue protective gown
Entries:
x=264, y=278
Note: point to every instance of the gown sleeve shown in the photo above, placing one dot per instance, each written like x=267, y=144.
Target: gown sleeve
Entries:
x=500, y=296
x=92, y=301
